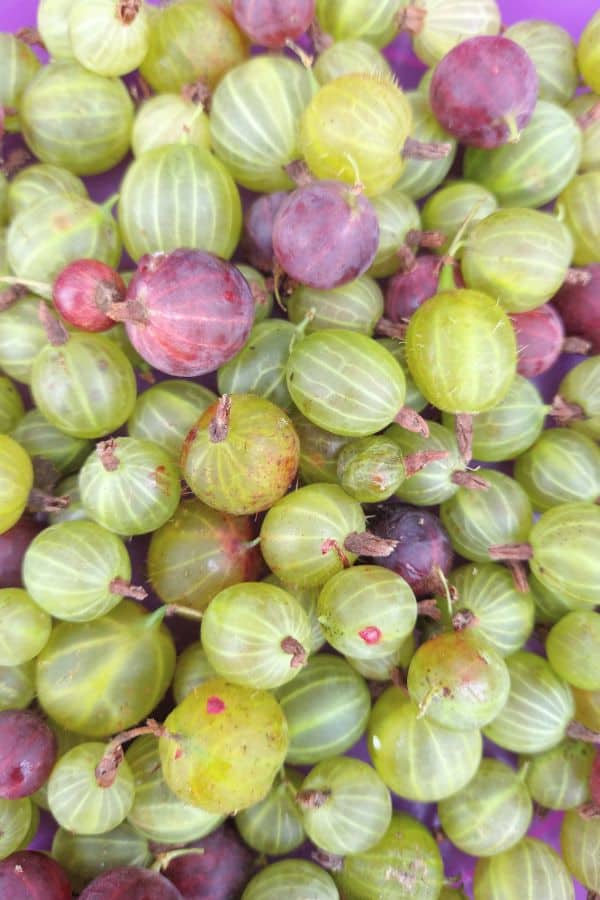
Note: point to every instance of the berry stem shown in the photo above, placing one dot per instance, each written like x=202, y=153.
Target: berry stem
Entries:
x=314, y=799
x=576, y=345
x=106, y=770
x=464, y=618
x=55, y=330
x=411, y=19
x=411, y=420
x=430, y=608
x=105, y=451
x=40, y=501
x=198, y=92
x=298, y=654
x=519, y=552
x=11, y=295
x=414, y=149
x=320, y=39
x=564, y=412
x=30, y=36
x=128, y=10
x=163, y=860
x=218, y=427
x=366, y=544
x=186, y=612
x=428, y=239
x=305, y=58
x=124, y=588
x=463, y=431
x=127, y=311
x=465, y=479
x=395, y=330
x=519, y=575
x=414, y=462
x=579, y=732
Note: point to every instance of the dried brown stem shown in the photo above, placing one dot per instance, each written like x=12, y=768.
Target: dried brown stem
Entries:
x=127, y=311
x=576, y=345
x=106, y=770
x=387, y=328
x=578, y=277
x=504, y=552
x=364, y=543
x=518, y=570
x=407, y=259
x=39, y=501
x=414, y=462
x=312, y=799
x=30, y=36
x=105, y=451
x=412, y=19
x=414, y=149
x=463, y=431
x=106, y=294
x=589, y=117
x=11, y=295
x=464, y=618
x=124, y=588
x=470, y=480
x=579, y=732
x=218, y=427
x=331, y=544
x=299, y=172
x=198, y=92
x=330, y=861
x=411, y=420
x=429, y=608
x=128, y=10
x=564, y=412
x=428, y=239
x=55, y=330
x=298, y=654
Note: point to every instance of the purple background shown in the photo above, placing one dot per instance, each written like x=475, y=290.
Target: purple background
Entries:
x=15, y=14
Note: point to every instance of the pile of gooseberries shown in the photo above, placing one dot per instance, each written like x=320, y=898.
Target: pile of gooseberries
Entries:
x=299, y=563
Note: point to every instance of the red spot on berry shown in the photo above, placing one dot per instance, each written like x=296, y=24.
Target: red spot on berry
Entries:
x=214, y=706
x=370, y=635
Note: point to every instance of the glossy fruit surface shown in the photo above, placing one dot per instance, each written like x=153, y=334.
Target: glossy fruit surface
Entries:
x=454, y=333
x=491, y=813
x=256, y=634
x=421, y=176
x=559, y=778
x=528, y=868
x=16, y=481
x=85, y=856
x=198, y=553
x=484, y=118
x=552, y=52
x=132, y=882
x=93, y=141
x=225, y=747
x=562, y=466
x=371, y=469
x=354, y=306
x=36, y=181
x=579, y=308
x=292, y=877
x=417, y=758
x=83, y=289
x=24, y=627
x=18, y=68
x=29, y=750
x=259, y=367
x=275, y=825
x=11, y=405
x=587, y=53
x=125, y=38
x=155, y=215
x=169, y=119
x=578, y=205
x=44, y=441
x=221, y=870
x=28, y=874
x=191, y=670
x=564, y=560
x=447, y=209
x=241, y=455
x=348, y=56
x=338, y=140
x=447, y=23
x=579, y=839
x=572, y=649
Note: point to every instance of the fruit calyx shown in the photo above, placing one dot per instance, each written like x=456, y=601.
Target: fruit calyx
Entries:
x=124, y=588
x=128, y=10
x=579, y=732
x=396, y=330
x=411, y=420
x=414, y=462
x=218, y=427
x=470, y=480
x=364, y=543
x=411, y=19
x=564, y=412
x=105, y=450
x=414, y=149
x=30, y=36
x=299, y=656
x=199, y=93
x=312, y=799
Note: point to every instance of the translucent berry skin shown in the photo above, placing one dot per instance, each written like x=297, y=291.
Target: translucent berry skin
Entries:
x=533, y=684
x=131, y=882
x=423, y=546
x=272, y=23
x=259, y=367
x=579, y=308
x=588, y=53
x=354, y=129
x=458, y=681
x=198, y=311
x=291, y=878
x=560, y=777
x=461, y=351
x=540, y=335
x=552, y=51
x=354, y=306
x=579, y=206
x=581, y=386
x=371, y=469
x=579, y=843
x=16, y=481
x=274, y=826
x=484, y=90
x=491, y=813
x=563, y=466
x=198, y=553
x=24, y=627
x=85, y=856
x=27, y=755
x=227, y=744
x=345, y=382
x=417, y=758
x=572, y=649
x=528, y=870
x=325, y=234
x=447, y=209
x=257, y=235
x=31, y=875
x=165, y=413
x=169, y=119
x=219, y=873
x=80, y=290
x=375, y=25
x=34, y=182
x=252, y=466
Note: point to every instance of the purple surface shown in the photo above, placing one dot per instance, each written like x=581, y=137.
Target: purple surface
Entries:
x=15, y=14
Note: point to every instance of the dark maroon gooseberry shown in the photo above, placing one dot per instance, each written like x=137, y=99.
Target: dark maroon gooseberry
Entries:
x=540, y=337
x=187, y=312
x=595, y=779
x=130, y=883
x=423, y=547
x=484, y=91
x=325, y=234
x=220, y=872
x=273, y=23
x=28, y=751
x=13, y=544
x=84, y=291
x=407, y=290
x=257, y=236
x=30, y=875
x=579, y=307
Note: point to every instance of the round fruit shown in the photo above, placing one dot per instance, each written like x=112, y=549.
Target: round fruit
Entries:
x=560, y=777
x=579, y=842
x=274, y=826
x=123, y=28
x=294, y=879
x=24, y=627
x=529, y=870
x=169, y=119
x=16, y=481
x=165, y=413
